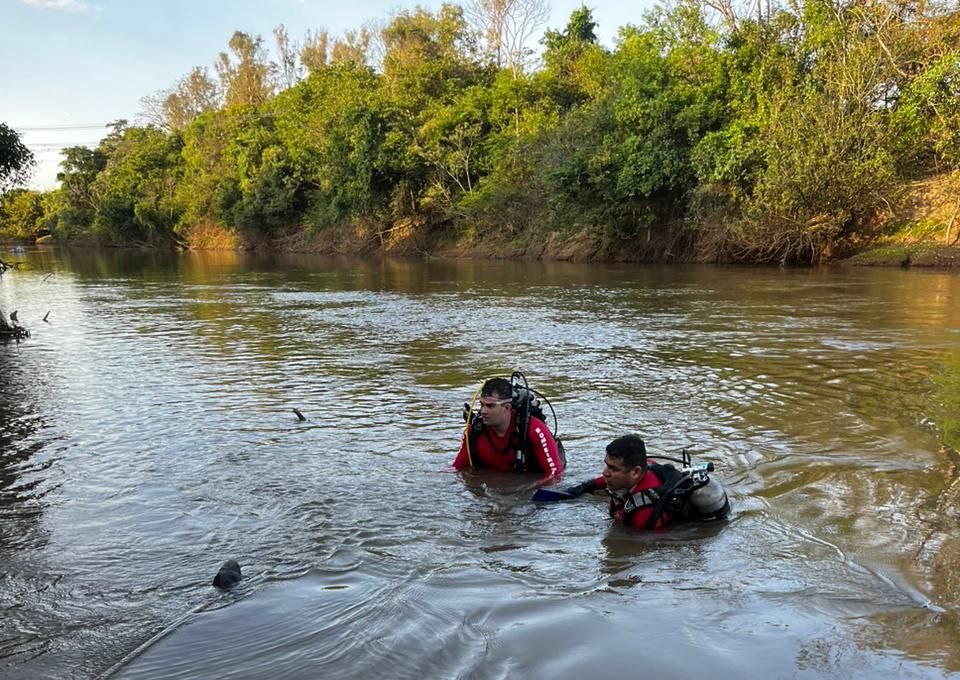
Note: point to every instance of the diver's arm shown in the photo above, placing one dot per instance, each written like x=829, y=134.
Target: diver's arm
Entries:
x=588, y=486
x=462, y=460
x=545, y=448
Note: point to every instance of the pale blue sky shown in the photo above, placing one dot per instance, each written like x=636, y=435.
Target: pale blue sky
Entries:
x=70, y=63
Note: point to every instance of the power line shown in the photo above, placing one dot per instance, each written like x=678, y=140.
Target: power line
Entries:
x=45, y=146
x=60, y=128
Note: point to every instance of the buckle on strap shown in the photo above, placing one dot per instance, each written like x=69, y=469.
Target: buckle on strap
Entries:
x=641, y=499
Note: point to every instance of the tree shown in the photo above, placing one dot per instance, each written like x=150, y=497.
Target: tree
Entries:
x=16, y=160
x=21, y=213
x=80, y=166
x=930, y=107
x=620, y=157
x=427, y=56
x=507, y=26
x=264, y=190
x=208, y=162
x=313, y=52
x=580, y=31
x=333, y=128
x=453, y=141
x=193, y=94
x=573, y=58
x=246, y=78
x=135, y=191
x=290, y=69
x=430, y=60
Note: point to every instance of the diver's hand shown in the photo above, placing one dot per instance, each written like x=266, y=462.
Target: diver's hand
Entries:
x=581, y=488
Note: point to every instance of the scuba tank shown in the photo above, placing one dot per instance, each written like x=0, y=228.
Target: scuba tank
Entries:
x=693, y=494
x=526, y=403
x=708, y=498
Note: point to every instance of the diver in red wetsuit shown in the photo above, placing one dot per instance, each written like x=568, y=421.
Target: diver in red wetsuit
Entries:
x=634, y=484
x=494, y=440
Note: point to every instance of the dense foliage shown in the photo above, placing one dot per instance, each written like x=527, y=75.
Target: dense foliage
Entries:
x=16, y=160
x=775, y=137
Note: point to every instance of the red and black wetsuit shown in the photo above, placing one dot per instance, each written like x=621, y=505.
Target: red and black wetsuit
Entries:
x=638, y=515
x=499, y=453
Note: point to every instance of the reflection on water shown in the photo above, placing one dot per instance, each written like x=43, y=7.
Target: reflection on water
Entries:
x=947, y=411
x=147, y=433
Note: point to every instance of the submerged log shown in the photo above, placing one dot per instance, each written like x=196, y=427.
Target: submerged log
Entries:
x=16, y=333
x=10, y=329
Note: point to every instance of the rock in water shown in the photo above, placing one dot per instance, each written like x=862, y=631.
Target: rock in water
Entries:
x=228, y=575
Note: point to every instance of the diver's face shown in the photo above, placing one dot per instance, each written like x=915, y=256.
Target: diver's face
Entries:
x=619, y=476
x=495, y=412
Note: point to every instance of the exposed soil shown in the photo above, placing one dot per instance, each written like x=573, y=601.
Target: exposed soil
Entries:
x=922, y=230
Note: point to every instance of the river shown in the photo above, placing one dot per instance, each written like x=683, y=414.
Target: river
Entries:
x=147, y=434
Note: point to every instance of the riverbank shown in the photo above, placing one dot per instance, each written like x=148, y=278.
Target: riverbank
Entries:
x=581, y=246
x=916, y=255
x=920, y=230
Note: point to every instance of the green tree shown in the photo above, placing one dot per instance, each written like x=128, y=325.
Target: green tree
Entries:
x=265, y=190
x=16, y=160
x=209, y=169
x=21, y=213
x=579, y=32
x=622, y=160
x=333, y=128
x=573, y=59
x=80, y=166
x=136, y=189
x=430, y=61
x=453, y=141
x=428, y=56
x=831, y=152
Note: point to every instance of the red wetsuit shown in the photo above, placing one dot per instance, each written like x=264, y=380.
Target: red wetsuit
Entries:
x=498, y=453
x=639, y=518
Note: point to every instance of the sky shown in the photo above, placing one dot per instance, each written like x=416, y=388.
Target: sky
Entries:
x=70, y=67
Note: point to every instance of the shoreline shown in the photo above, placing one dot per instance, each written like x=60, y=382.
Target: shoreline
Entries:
x=922, y=254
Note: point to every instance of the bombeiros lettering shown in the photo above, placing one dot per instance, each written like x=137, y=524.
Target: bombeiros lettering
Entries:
x=546, y=448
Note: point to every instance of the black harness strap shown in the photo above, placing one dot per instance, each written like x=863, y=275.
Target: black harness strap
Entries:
x=668, y=496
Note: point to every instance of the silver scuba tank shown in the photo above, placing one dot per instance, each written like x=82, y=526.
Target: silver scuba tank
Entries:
x=709, y=499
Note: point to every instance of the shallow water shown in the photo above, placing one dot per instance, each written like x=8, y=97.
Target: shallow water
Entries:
x=147, y=434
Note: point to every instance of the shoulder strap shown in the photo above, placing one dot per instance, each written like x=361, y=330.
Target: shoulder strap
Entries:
x=658, y=497
x=473, y=438
x=674, y=492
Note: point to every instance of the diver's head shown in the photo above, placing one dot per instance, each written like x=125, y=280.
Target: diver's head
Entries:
x=496, y=404
x=625, y=463
x=497, y=388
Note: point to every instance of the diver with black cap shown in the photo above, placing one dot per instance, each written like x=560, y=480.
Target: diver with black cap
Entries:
x=646, y=494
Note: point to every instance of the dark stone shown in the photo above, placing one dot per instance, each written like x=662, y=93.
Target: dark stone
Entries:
x=228, y=575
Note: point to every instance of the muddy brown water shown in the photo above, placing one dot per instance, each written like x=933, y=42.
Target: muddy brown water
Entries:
x=147, y=435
